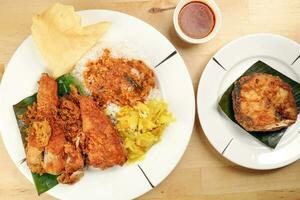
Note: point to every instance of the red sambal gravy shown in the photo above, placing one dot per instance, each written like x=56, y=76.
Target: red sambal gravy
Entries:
x=196, y=19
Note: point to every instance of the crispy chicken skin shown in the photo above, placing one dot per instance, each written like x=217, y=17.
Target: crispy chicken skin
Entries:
x=70, y=178
x=38, y=138
x=52, y=161
x=54, y=155
x=263, y=102
x=47, y=101
x=103, y=145
x=34, y=157
x=68, y=132
x=47, y=98
x=74, y=159
x=73, y=166
x=70, y=116
x=54, y=134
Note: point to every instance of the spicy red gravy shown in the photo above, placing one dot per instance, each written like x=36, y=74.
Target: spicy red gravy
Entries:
x=196, y=19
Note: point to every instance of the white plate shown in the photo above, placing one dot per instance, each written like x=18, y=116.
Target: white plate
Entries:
x=127, y=182
x=223, y=69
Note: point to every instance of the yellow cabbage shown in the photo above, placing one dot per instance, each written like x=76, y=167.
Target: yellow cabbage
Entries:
x=141, y=126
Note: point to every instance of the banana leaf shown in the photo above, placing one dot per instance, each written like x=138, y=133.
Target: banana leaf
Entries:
x=45, y=181
x=64, y=83
x=271, y=139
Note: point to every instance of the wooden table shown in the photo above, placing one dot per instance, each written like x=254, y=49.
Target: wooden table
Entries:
x=202, y=173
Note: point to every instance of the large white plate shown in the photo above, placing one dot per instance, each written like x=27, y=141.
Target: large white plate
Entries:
x=223, y=69
x=127, y=182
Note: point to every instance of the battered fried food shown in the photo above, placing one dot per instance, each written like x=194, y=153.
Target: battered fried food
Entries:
x=70, y=120
x=73, y=166
x=47, y=98
x=103, y=145
x=40, y=131
x=34, y=158
x=50, y=122
x=38, y=137
x=64, y=130
x=47, y=102
x=263, y=102
x=54, y=155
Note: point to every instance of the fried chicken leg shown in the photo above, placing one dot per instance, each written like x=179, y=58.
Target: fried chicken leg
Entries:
x=45, y=136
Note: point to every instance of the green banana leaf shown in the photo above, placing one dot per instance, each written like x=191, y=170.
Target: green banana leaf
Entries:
x=45, y=182
x=270, y=139
x=64, y=83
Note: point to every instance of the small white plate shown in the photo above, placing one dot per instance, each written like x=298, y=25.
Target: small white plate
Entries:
x=130, y=181
x=223, y=69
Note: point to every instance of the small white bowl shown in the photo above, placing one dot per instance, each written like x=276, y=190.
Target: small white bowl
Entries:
x=183, y=36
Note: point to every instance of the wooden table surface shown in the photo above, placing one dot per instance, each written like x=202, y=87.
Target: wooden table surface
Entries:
x=202, y=173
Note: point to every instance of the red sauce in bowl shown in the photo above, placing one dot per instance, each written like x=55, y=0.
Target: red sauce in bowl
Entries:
x=196, y=20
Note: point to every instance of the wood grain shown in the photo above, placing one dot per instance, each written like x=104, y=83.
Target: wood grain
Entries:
x=1, y=70
x=202, y=173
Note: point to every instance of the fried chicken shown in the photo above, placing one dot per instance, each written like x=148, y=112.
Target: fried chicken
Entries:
x=64, y=131
x=73, y=166
x=38, y=137
x=103, y=145
x=263, y=102
x=47, y=100
x=47, y=150
x=54, y=155
x=70, y=116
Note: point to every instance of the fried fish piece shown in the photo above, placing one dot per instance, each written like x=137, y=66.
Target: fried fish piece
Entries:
x=263, y=102
x=103, y=144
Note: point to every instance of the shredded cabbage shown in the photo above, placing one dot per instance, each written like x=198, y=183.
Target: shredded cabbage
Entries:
x=141, y=126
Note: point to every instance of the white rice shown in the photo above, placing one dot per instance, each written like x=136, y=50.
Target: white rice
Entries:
x=154, y=94
x=112, y=111
x=117, y=50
